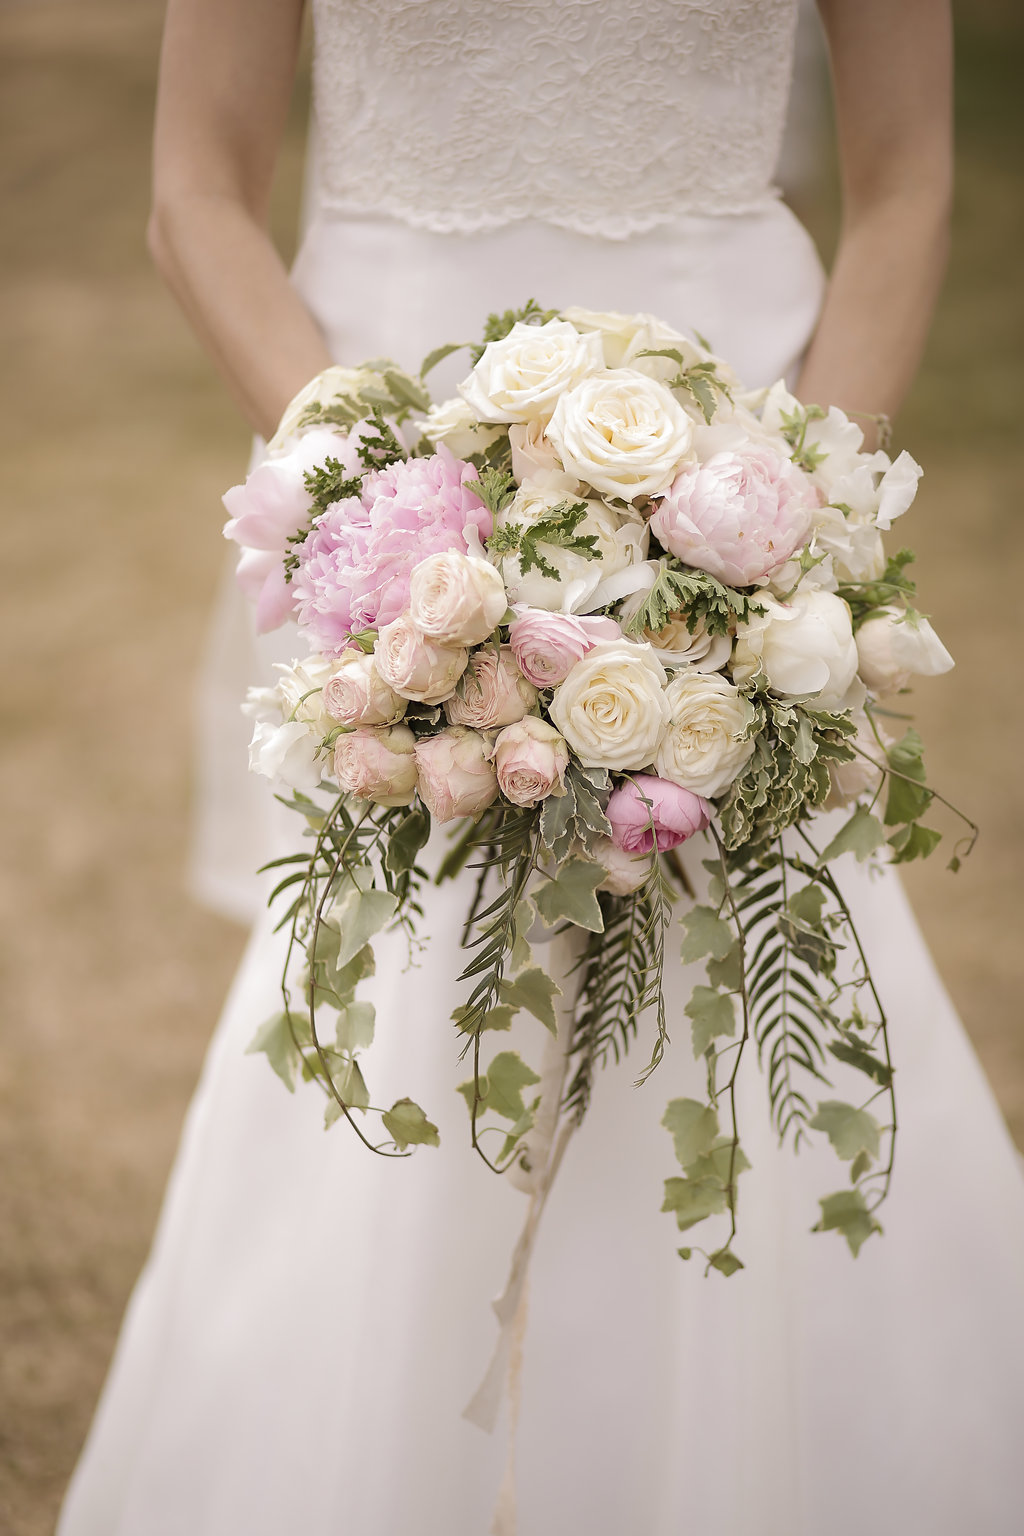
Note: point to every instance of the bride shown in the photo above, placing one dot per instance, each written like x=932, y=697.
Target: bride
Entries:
x=312, y=1320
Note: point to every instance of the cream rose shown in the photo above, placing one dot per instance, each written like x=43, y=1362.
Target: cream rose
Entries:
x=622, y=432
x=454, y=424
x=356, y=694
x=456, y=599
x=612, y=708
x=520, y=377
x=415, y=666
x=893, y=647
x=493, y=693
x=701, y=750
x=675, y=643
x=804, y=648
x=582, y=583
x=377, y=765
x=456, y=776
x=531, y=758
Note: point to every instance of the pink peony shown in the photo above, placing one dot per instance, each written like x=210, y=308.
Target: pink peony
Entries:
x=272, y=505
x=676, y=813
x=456, y=777
x=547, y=646
x=355, y=567
x=738, y=515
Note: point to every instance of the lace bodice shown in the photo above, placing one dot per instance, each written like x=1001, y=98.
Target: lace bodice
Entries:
x=602, y=116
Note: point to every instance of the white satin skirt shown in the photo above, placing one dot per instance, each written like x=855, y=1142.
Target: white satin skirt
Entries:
x=313, y=1319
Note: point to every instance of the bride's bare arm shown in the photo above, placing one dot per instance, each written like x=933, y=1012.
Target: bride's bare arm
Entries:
x=892, y=75
x=226, y=75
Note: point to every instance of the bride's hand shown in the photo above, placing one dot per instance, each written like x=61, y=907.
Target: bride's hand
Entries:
x=892, y=72
x=226, y=74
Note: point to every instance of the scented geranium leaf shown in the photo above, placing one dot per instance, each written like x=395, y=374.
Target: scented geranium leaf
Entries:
x=856, y=1055
x=847, y=1212
x=507, y=1076
x=906, y=801
x=355, y=1026
x=727, y=973
x=692, y=1200
x=725, y=1261
x=535, y=991
x=914, y=842
x=850, y=1130
x=276, y=1041
x=357, y=916
x=861, y=835
x=711, y=1014
x=406, y=841
x=693, y=1127
x=706, y=934
x=406, y=390
x=495, y=488
x=407, y=1125
x=571, y=896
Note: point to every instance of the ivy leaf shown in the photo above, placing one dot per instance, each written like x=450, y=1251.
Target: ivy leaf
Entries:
x=859, y=1167
x=914, y=842
x=856, y=1055
x=861, y=835
x=706, y=934
x=692, y=1200
x=907, y=801
x=571, y=895
x=351, y=1086
x=847, y=1212
x=357, y=916
x=355, y=1026
x=498, y=1017
x=274, y=1038
x=406, y=841
x=851, y=1131
x=712, y=1014
x=725, y=1261
x=521, y=954
x=693, y=1127
x=502, y=1088
x=727, y=973
x=535, y=991
x=407, y=1125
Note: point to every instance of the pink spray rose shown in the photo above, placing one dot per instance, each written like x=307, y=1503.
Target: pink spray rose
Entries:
x=738, y=515
x=547, y=646
x=415, y=666
x=531, y=758
x=677, y=814
x=377, y=765
x=355, y=567
x=356, y=694
x=456, y=777
x=494, y=693
x=271, y=505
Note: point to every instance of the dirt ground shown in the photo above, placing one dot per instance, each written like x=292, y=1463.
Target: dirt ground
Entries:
x=117, y=444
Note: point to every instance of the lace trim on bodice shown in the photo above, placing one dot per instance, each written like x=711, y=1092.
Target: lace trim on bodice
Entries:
x=606, y=117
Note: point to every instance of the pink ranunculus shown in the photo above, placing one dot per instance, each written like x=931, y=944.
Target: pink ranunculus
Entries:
x=531, y=758
x=272, y=505
x=456, y=776
x=355, y=567
x=547, y=646
x=377, y=765
x=675, y=812
x=738, y=515
x=493, y=692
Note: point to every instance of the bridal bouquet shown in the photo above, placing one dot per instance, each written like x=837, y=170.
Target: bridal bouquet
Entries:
x=603, y=601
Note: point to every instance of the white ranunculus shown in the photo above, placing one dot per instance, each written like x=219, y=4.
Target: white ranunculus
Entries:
x=894, y=647
x=456, y=598
x=333, y=382
x=582, y=584
x=453, y=423
x=611, y=708
x=701, y=750
x=621, y=432
x=520, y=377
x=804, y=648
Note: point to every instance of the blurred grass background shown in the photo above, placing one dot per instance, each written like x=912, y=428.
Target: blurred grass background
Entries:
x=117, y=444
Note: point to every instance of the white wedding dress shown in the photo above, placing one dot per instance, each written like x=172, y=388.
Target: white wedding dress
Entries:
x=313, y=1319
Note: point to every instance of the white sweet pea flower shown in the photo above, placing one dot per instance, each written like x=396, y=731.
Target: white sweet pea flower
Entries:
x=894, y=646
x=290, y=722
x=285, y=754
x=897, y=489
x=804, y=648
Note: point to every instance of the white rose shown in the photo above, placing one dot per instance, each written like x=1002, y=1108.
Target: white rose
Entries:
x=622, y=432
x=454, y=424
x=456, y=598
x=534, y=459
x=520, y=377
x=612, y=709
x=356, y=694
x=894, y=647
x=804, y=647
x=415, y=666
x=582, y=584
x=701, y=749
x=290, y=722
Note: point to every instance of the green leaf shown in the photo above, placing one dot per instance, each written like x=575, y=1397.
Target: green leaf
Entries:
x=535, y=991
x=914, y=842
x=859, y=1166
x=906, y=801
x=439, y=354
x=847, y=1212
x=500, y=1017
x=570, y=895
x=357, y=916
x=851, y=1131
x=856, y=1055
x=727, y=973
x=693, y=1127
x=355, y=1027
x=406, y=841
x=861, y=835
x=274, y=1038
x=407, y=1125
x=502, y=1088
x=692, y=1200
x=706, y=934
x=351, y=1085
x=725, y=1261
x=712, y=1014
